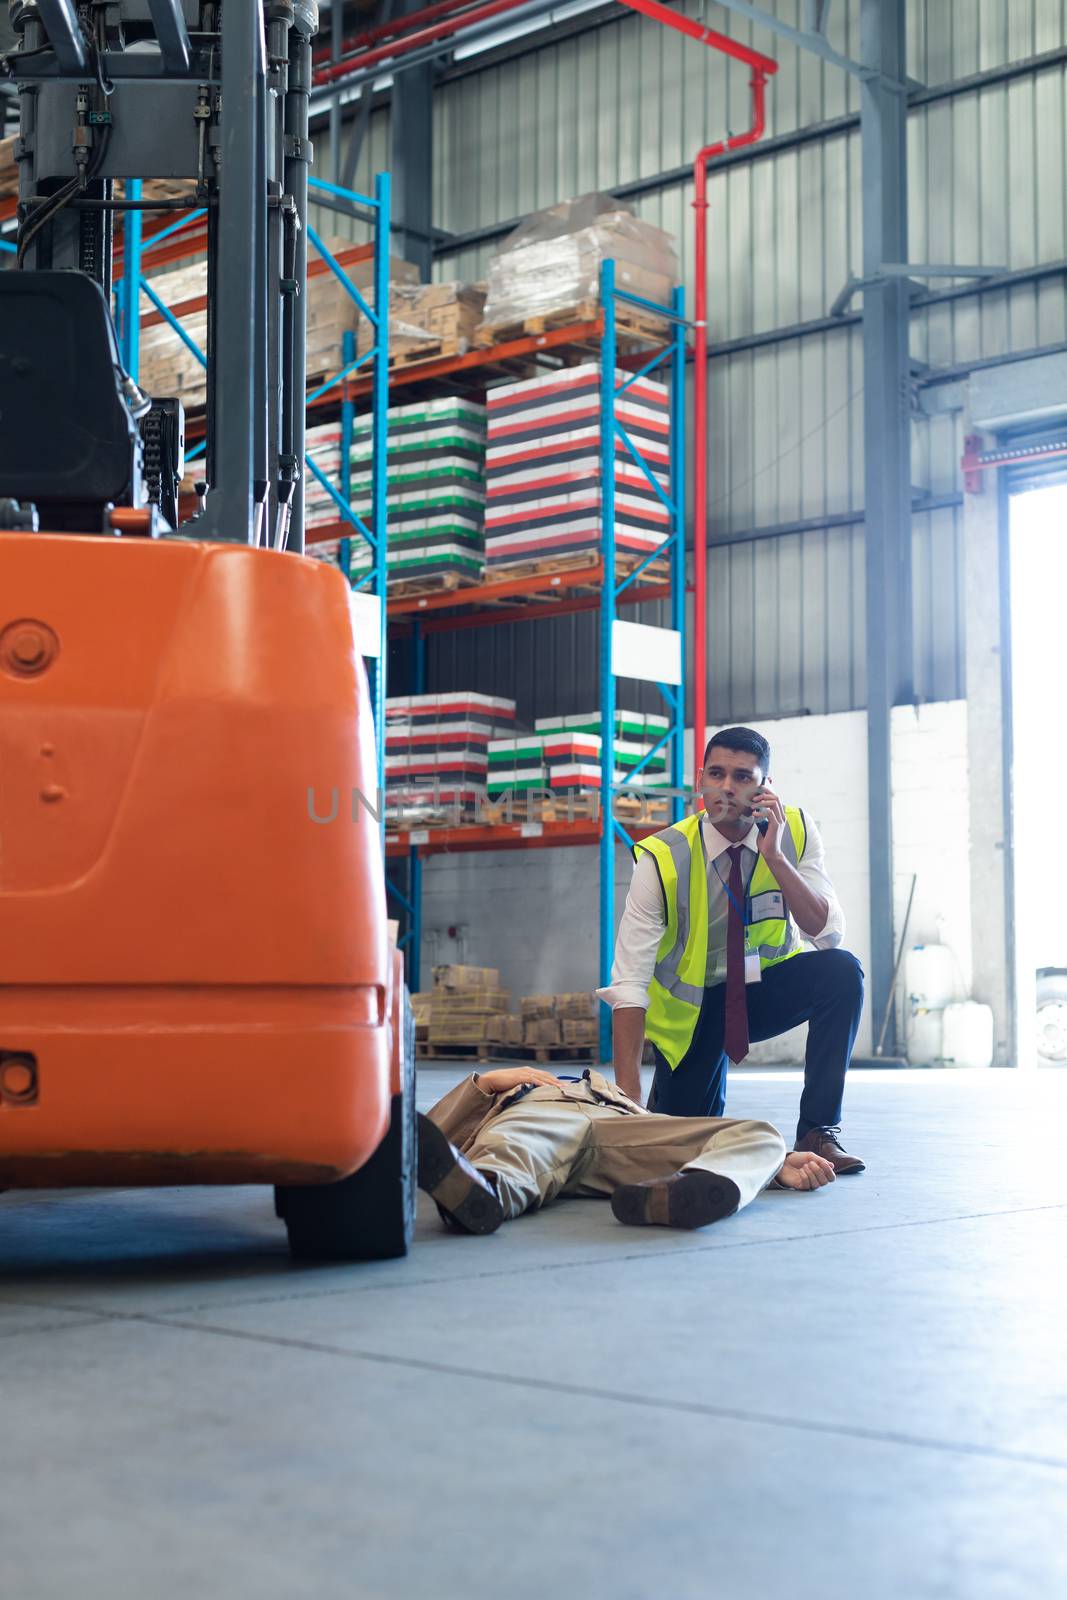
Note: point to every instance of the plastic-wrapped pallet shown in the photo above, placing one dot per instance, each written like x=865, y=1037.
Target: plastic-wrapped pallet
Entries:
x=545, y=477
x=429, y=320
x=331, y=310
x=168, y=366
x=550, y=266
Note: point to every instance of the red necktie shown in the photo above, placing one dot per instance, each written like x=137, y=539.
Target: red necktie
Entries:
x=735, y=1030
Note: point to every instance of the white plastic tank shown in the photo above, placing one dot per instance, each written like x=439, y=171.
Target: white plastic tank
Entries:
x=967, y=1035
x=931, y=977
x=923, y=1035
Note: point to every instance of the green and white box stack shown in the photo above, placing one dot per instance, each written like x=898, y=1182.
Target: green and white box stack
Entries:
x=435, y=490
x=516, y=765
x=575, y=740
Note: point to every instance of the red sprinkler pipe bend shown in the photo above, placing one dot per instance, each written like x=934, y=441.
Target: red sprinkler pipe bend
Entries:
x=700, y=406
x=763, y=67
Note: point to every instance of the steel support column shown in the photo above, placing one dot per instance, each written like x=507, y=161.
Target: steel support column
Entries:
x=411, y=162
x=887, y=447
x=607, y=628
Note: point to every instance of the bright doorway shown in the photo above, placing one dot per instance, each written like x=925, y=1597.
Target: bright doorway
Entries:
x=1038, y=548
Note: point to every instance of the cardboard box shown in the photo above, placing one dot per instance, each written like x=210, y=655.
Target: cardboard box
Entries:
x=457, y=1030
x=429, y=314
x=537, y=1005
x=168, y=367
x=455, y=978
x=469, y=1002
x=542, y=1030
x=9, y=172
x=581, y=1006
x=578, y=1031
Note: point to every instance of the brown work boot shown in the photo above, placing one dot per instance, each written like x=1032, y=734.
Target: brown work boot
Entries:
x=460, y=1192
x=825, y=1142
x=684, y=1200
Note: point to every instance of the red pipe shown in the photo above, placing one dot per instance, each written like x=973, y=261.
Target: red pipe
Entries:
x=414, y=41
x=708, y=36
x=389, y=30
x=700, y=407
x=763, y=67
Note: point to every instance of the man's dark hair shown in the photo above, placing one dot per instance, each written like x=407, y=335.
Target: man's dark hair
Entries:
x=746, y=739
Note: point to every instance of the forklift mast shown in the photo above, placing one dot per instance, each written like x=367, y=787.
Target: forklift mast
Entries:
x=214, y=92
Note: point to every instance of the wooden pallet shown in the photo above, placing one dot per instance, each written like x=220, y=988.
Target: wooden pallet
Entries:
x=443, y=349
x=657, y=572
x=426, y=819
x=646, y=809
x=632, y=325
x=430, y=583
x=581, y=806
x=490, y=1051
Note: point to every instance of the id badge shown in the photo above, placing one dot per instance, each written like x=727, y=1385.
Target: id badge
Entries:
x=752, y=967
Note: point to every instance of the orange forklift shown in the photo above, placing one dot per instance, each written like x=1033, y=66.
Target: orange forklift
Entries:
x=196, y=979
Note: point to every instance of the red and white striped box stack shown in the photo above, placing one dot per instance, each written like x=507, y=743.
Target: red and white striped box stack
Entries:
x=544, y=476
x=437, y=752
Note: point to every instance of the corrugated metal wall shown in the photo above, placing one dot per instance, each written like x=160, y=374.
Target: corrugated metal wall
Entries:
x=987, y=186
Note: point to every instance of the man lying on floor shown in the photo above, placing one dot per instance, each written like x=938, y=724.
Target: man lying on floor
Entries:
x=512, y=1140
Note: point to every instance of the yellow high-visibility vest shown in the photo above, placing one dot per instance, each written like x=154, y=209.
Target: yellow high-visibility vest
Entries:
x=677, y=988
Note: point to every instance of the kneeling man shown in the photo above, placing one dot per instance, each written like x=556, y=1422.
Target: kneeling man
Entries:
x=512, y=1140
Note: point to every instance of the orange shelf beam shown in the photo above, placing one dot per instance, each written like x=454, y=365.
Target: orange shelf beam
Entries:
x=490, y=593
x=501, y=836
x=479, y=605
x=493, y=355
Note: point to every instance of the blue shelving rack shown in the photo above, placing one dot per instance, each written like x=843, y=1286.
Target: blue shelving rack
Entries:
x=611, y=431
x=410, y=940
x=128, y=323
x=377, y=358
x=668, y=359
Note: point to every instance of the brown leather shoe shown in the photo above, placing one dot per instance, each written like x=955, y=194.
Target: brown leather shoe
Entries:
x=684, y=1200
x=825, y=1142
x=459, y=1190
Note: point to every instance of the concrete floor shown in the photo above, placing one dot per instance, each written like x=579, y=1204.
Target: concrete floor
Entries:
x=859, y=1391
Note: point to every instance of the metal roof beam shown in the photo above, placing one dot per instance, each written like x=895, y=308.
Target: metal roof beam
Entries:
x=813, y=39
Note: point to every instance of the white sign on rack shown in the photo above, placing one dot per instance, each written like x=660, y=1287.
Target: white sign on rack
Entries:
x=366, y=613
x=640, y=651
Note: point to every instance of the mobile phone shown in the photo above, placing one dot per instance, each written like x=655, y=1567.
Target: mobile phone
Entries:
x=761, y=822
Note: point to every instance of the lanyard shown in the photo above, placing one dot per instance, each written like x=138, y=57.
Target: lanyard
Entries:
x=730, y=897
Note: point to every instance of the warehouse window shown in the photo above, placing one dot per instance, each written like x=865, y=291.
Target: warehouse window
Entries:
x=1038, y=553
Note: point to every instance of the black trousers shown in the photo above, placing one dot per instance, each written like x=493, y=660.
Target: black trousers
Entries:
x=823, y=988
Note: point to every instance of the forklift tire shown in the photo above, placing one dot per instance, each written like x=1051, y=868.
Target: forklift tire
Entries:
x=370, y=1215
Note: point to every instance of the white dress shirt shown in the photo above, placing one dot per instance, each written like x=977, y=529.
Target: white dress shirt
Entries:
x=644, y=919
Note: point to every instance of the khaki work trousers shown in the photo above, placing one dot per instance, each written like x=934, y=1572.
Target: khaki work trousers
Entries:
x=542, y=1147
